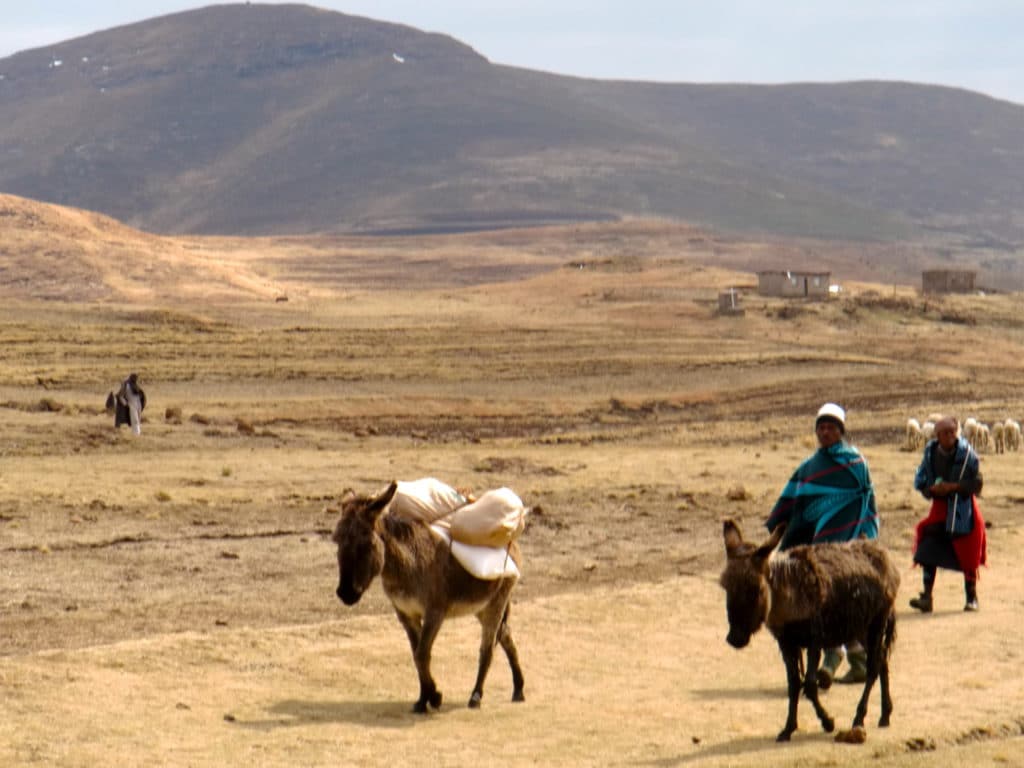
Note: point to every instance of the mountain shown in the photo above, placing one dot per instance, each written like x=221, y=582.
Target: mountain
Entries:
x=259, y=119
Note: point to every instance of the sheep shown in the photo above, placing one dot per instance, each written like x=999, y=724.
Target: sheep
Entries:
x=814, y=597
x=913, y=438
x=998, y=437
x=928, y=430
x=970, y=426
x=977, y=433
x=1011, y=435
x=982, y=437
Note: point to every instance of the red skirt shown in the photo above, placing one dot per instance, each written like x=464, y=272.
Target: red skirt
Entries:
x=971, y=549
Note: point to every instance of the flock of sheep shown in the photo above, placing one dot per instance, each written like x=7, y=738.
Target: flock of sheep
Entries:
x=1000, y=437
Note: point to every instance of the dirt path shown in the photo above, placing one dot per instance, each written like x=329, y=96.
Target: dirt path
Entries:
x=634, y=676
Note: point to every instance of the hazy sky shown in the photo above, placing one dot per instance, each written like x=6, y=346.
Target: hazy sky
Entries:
x=975, y=44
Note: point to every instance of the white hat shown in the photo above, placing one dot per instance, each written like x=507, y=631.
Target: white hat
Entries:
x=833, y=412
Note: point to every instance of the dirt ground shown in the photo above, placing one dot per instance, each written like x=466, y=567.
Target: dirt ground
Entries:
x=169, y=599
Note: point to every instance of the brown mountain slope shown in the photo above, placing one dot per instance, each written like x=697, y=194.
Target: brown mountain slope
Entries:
x=273, y=119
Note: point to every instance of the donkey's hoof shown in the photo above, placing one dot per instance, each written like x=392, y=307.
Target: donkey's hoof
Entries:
x=474, y=700
x=518, y=696
x=419, y=708
x=883, y=721
x=784, y=735
x=435, y=699
x=828, y=724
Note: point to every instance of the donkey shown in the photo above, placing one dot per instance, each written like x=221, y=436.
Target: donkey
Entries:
x=425, y=584
x=814, y=597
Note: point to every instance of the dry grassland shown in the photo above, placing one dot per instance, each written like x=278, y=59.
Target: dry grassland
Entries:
x=168, y=599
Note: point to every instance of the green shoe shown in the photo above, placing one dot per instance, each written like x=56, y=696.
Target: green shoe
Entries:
x=827, y=673
x=858, y=671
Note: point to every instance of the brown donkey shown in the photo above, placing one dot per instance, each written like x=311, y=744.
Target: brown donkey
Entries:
x=425, y=584
x=814, y=597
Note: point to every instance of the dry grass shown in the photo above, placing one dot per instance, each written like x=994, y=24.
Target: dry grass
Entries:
x=187, y=575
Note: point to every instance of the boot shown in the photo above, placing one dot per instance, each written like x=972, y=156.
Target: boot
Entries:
x=971, y=590
x=827, y=673
x=922, y=602
x=858, y=671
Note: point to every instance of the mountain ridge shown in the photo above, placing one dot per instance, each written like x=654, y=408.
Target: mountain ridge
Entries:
x=259, y=120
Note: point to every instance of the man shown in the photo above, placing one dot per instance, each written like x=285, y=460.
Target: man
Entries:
x=952, y=534
x=130, y=402
x=829, y=498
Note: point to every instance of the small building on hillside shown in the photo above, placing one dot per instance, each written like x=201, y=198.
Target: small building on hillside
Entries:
x=729, y=303
x=947, y=281
x=794, y=285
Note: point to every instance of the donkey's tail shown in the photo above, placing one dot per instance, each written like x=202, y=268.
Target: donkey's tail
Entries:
x=889, y=635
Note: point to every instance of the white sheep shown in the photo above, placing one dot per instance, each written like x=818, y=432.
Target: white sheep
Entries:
x=928, y=431
x=1011, y=435
x=998, y=442
x=982, y=437
x=970, y=426
x=913, y=438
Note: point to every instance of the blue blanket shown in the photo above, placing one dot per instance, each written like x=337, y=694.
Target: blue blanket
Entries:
x=829, y=498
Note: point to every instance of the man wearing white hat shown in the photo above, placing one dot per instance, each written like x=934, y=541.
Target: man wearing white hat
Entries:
x=829, y=498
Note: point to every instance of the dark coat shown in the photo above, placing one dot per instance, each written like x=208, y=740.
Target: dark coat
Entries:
x=122, y=415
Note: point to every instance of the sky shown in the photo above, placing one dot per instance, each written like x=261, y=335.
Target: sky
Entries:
x=973, y=44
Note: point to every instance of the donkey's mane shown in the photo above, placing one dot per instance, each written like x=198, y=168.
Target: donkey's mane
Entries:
x=399, y=527
x=807, y=578
x=799, y=574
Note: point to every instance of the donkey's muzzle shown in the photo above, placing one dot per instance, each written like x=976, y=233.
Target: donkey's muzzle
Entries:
x=737, y=639
x=347, y=595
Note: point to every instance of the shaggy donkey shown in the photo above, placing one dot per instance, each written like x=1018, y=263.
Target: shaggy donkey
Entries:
x=425, y=584
x=814, y=597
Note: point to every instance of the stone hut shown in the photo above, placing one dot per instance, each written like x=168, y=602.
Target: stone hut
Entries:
x=947, y=281
x=729, y=303
x=795, y=285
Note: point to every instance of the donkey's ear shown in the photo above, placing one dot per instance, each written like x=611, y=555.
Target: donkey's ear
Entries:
x=384, y=499
x=731, y=534
x=769, y=546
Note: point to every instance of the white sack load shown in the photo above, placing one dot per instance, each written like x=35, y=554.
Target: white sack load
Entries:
x=493, y=520
x=486, y=563
x=427, y=499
